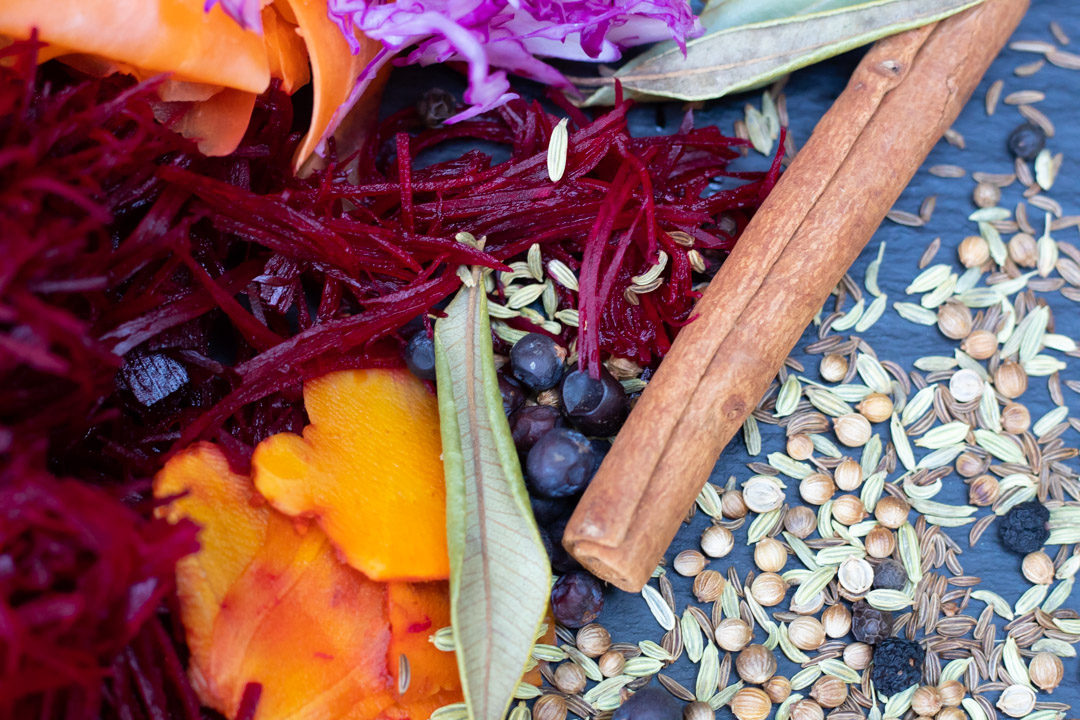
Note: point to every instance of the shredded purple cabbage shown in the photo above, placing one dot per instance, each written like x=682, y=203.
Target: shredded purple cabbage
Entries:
x=499, y=36
x=248, y=13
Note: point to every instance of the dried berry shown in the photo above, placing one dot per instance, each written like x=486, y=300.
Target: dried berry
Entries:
x=1026, y=140
x=420, y=356
x=576, y=599
x=1023, y=529
x=897, y=665
x=890, y=575
x=870, y=625
x=649, y=704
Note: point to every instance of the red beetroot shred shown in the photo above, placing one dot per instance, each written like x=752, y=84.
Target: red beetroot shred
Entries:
x=150, y=296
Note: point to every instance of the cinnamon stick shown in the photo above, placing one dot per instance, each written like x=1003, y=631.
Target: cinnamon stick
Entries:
x=905, y=93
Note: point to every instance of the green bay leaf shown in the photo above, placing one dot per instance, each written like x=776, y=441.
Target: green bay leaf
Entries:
x=730, y=58
x=499, y=573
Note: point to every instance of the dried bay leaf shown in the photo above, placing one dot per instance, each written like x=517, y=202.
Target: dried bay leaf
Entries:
x=731, y=58
x=499, y=573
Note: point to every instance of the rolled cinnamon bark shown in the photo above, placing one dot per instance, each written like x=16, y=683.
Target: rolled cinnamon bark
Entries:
x=905, y=93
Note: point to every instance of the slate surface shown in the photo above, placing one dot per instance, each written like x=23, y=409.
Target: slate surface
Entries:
x=809, y=94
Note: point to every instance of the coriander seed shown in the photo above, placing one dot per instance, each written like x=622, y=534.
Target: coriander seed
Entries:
x=800, y=446
x=733, y=634
x=986, y=195
x=770, y=555
x=1016, y=701
x=1015, y=418
x=974, y=251
x=857, y=655
x=800, y=521
x=965, y=385
x=891, y=511
x=848, y=475
x=549, y=707
x=751, y=703
x=852, y=429
x=817, y=488
x=836, y=620
x=876, y=407
x=593, y=640
x=569, y=677
x=698, y=710
x=833, y=368
x=1010, y=379
x=980, y=344
x=768, y=589
x=829, y=691
x=778, y=688
x=762, y=493
x=954, y=320
x=732, y=505
x=1038, y=568
x=983, y=490
x=688, y=563
x=968, y=464
x=848, y=510
x=856, y=575
x=1023, y=250
x=717, y=541
x=926, y=700
x=708, y=584
x=806, y=633
x=951, y=713
x=755, y=664
x=880, y=541
x=1046, y=671
x=807, y=709
x=611, y=663
x=952, y=692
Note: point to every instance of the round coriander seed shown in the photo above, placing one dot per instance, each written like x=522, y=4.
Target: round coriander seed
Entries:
x=770, y=555
x=806, y=633
x=817, y=488
x=848, y=475
x=733, y=634
x=800, y=521
x=807, y=709
x=1016, y=701
x=768, y=589
x=1046, y=671
x=974, y=251
x=891, y=511
x=717, y=541
x=611, y=663
x=762, y=493
x=549, y=707
x=983, y=490
x=965, y=385
x=708, y=584
x=1023, y=250
x=732, y=505
x=848, y=510
x=593, y=640
x=800, y=446
x=986, y=195
x=856, y=575
x=1015, y=418
x=926, y=700
x=951, y=713
x=968, y=464
x=698, y=710
x=980, y=344
x=954, y=320
x=751, y=703
x=809, y=607
x=857, y=655
x=952, y=692
x=876, y=407
x=569, y=677
x=880, y=541
x=829, y=691
x=778, y=688
x=833, y=368
x=836, y=620
x=1010, y=379
x=1038, y=568
x=688, y=563
x=755, y=664
x=852, y=429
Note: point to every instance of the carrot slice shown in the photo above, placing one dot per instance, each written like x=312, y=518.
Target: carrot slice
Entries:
x=369, y=469
x=174, y=36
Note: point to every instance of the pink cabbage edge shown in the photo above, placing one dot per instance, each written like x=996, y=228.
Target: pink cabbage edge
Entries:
x=495, y=36
x=499, y=36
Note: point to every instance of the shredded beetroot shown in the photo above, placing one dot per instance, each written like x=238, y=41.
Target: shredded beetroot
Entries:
x=150, y=297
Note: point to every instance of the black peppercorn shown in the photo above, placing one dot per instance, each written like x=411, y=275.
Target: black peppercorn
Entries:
x=890, y=575
x=1026, y=140
x=870, y=625
x=897, y=665
x=1023, y=529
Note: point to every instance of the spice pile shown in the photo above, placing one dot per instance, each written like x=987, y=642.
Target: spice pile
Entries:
x=874, y=592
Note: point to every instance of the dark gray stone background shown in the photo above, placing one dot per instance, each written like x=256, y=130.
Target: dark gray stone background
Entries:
x=809, y=94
